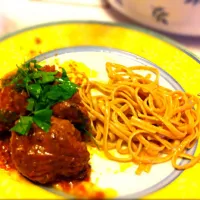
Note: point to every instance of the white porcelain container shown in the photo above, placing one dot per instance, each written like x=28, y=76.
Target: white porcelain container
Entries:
x=175, y=16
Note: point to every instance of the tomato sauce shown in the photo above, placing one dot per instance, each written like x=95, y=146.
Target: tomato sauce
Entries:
x=81, y=189
x=78, y=188
x=5, y=156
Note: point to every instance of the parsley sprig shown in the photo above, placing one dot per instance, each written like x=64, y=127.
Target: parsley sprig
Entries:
x=43, y=94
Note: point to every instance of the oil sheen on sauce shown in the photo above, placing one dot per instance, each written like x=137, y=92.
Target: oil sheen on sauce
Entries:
x=79, y=189
x=5, y=156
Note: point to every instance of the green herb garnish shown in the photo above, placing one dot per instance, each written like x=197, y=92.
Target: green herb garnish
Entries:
x=42, y=118
x=23, y=126
x=43, y=94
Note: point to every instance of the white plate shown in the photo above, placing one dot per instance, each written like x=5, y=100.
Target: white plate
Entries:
x=106, y=173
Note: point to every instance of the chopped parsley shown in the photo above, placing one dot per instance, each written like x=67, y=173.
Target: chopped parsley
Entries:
x=44, y=89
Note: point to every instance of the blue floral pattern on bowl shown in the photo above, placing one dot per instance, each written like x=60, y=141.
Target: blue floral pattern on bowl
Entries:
x=160, y=14
x=194, y=2
x=119, y=2
x=177, y=17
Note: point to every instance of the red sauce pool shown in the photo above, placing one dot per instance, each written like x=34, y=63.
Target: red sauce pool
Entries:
x=81, y=189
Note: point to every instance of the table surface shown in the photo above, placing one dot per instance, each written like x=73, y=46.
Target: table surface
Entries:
x=15, y=15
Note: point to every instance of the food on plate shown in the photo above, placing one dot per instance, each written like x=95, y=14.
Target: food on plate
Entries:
x=44, y=157
x=72, y=109
x=133, y=118
x=12, y=105
x=42, y=109
x=48, y=116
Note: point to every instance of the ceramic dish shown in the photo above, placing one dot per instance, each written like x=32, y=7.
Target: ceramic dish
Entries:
x=177, y=63
x=178, y=17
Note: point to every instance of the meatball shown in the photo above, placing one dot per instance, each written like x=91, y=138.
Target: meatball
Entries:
x=12, y=105
x=72, y=109
x=46, y=157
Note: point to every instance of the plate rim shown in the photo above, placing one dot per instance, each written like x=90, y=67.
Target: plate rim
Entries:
x=78, y=49
x=146, y=30
x=95, y=48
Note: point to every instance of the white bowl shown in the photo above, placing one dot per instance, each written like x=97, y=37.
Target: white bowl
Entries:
x=174, y=16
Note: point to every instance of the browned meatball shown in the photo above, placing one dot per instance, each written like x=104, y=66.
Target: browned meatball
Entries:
x=45, y=157
x=72, y=109
x=12, y=105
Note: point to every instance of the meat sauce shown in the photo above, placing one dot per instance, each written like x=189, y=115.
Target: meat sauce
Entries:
x=83, y=189
x=80, y=188
x=5, y=156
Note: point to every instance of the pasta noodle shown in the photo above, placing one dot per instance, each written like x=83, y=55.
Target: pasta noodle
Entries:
x=133, y=118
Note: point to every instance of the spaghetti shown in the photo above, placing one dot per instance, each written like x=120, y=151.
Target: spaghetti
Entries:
x=133, y=118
